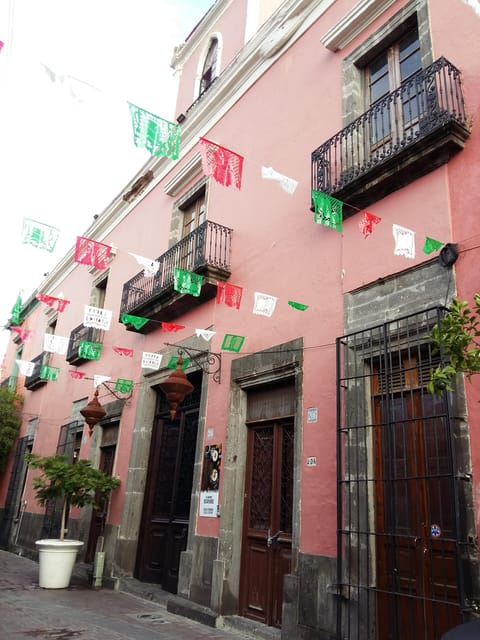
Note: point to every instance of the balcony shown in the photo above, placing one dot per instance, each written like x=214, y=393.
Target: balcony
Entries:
x=91, y=334
x=408, y=133
x=205, y=251
x=34, y=381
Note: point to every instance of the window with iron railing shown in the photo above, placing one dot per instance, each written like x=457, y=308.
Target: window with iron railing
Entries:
x=406, y=133
x=35, y=380
x=79, y=334
x=206, y=249
x=384, y=74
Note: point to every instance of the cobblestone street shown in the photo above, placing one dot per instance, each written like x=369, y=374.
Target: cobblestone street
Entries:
x=27, y=611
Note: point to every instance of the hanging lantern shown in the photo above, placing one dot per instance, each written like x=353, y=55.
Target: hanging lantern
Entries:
x=176, y=387
x=93, y=412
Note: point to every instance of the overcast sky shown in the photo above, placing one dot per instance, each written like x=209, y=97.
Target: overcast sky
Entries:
x=63, y=160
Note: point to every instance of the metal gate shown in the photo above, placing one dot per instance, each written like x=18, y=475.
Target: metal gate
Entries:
x=400, y=542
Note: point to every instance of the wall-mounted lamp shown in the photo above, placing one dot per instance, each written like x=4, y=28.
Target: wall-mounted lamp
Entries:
x=93, y=412
x=181, y=118
x=176, y=387
x=448, y=255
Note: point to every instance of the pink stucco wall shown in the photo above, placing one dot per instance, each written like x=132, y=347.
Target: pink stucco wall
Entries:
x=231, y=26
x=461, y=45
x=277, y=249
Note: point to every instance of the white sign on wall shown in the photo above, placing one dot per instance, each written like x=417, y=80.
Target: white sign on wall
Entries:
x=209, y=504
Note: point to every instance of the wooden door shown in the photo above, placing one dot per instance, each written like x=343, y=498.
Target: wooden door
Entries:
x=193, y=216
x=267, y=532
x=99, y=515
x=392, y=119
x=416, y=540
x=165, y=519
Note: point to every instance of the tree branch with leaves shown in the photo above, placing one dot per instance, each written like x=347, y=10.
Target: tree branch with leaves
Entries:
x=10, y=421
x=457, y=339
x=76, y=484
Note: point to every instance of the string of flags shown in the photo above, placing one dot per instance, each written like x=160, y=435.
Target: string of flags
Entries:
x=224, y=165
x=162, y=138
x=185, y=282
x=39, y=235
x=92, y=351
x=328, y=211
x=77, y=89
x=158, y=136
x=287, y=184
x=99, y=318
x=92, y=253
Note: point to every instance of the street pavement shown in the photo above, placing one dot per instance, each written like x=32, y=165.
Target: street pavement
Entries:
x=84, y=613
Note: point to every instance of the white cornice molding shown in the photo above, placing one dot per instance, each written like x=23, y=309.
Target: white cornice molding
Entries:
x=280, y=32
x=354, y=22
x=191, y=169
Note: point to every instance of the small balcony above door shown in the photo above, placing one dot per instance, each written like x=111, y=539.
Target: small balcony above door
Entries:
x=204, y=251
x=79, y=334
x=404, y=135
x=34, y=381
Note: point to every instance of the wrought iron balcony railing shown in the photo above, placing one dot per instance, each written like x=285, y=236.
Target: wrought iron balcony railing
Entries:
x=406, y=134
x=34, y=381
x=205, y=251
x=91, y=334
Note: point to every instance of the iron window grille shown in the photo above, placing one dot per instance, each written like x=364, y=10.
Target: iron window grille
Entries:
x=401, y=546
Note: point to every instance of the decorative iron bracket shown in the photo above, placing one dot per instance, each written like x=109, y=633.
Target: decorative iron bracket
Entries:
x=121, y=396
x=208, y=361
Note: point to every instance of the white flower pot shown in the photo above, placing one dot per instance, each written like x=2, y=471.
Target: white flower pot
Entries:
x=56, y=559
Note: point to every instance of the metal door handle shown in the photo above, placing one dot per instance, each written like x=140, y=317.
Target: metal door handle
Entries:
x=271, y=539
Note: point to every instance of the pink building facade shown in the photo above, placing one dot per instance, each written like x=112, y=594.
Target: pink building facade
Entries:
x=309, y=484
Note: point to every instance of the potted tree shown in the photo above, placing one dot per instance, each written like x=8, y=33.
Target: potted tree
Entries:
x=75, y=484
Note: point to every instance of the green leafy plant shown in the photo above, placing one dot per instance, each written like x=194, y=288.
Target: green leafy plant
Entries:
x=77, y=484
x=10, y=422
x=457, y=338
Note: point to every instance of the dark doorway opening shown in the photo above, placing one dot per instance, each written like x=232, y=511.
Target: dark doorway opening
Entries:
x=166, y=509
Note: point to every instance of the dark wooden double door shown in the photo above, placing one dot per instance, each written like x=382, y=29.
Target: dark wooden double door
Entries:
x=416, y=524
x=267, y=533
x=165, y=520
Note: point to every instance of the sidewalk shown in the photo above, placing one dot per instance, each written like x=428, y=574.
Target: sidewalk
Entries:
x=27, y=611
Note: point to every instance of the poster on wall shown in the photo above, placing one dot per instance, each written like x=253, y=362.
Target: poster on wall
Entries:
x=212, y=458
x=209, y=504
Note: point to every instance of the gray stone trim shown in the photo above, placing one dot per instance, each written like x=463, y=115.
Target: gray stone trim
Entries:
x=354, y=101
x=421, y=287
x=275, y=364
x=176, y=223
x=127, y=543
x=426, y=286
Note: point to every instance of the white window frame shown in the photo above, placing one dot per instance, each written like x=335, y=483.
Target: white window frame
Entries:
x=201, y=61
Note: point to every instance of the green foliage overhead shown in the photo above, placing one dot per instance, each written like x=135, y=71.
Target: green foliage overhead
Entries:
x=10, y=422
x=75, y=483
x=457, y=338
